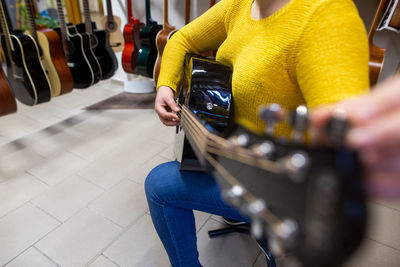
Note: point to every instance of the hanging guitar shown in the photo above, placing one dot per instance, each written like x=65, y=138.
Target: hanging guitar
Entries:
x=132, y=42
x=74, y=51
x=113, y=25
x=161, y=41
x=308, y=201
x=377, y=54
x=51, y=55
x=25, y=72
x=99, y=40
x=148, y=51
x=7, y=101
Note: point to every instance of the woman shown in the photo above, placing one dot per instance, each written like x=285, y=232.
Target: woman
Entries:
x=294, y=52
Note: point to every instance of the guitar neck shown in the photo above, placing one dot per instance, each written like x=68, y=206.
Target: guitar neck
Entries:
x=32, y=24
x=166, y=24
x=110, y=16
x=5, y=29
x=379, y=13
x=187, y=12
x=129, y=7
x=63, y=27
x=149, y=20
x=88, y=20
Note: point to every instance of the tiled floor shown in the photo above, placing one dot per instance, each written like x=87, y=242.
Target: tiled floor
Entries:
x=71, y=192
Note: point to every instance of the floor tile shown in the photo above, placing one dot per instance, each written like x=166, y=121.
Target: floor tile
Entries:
x=15, y=125
x=139, y=247
x=232, y=250
x=102, y=261
x=384, y=225
x=373, y=254
x=31, y=258
x=123, y=204
x=17, y=162
x=54, y=170
x=68, y=197
x=18, y=190
x=140, y=173
x=168, y=153
x=22, y=228
x=79, y=240
x=200, y=218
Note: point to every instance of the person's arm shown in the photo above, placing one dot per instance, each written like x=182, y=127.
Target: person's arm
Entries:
x=207, y=32
x=374, y=133
x=332, y=59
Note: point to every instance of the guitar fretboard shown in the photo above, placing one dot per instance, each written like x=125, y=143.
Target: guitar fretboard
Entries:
x=63, y=27
x=88, y=20
x=32, y=24
x=109, y=12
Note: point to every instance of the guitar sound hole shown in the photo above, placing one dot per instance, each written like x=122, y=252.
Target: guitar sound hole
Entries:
x=93, y=41
x=111, y=26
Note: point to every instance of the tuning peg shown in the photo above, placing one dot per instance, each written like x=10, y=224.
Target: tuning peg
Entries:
x=338, y=126
x=265, y=149
x=299, y=121
x=241, y=140
x=296, y=166
x=271, y=114
x=234, y=195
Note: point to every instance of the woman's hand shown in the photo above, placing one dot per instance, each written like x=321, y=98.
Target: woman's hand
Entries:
x=375, y=133
x=165, y=106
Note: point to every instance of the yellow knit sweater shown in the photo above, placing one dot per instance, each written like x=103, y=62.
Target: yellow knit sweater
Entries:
x=309, y=52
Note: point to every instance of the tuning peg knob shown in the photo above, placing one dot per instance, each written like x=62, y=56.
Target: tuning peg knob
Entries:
x=241, y=140
x=296, y=166
x=271, y=114
x=338, y=126
x=299, y=120
x=265, y=149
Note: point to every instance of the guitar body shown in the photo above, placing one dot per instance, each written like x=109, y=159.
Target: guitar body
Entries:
x=161, y=41
x=52, y=48
x=132, y=45
x=29, y=82
x=52, y=51
x=148, y=53
x=87, y=50
x=376, y=61
x=325, y=201
x=114, y=28
x=102, y=50
x=77, y=62
x=7, y=101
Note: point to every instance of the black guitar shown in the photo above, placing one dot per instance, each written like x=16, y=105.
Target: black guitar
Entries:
x=308, y=201
x=76, y=52
x=148, y=52
x=25, y=72
x=100, y=43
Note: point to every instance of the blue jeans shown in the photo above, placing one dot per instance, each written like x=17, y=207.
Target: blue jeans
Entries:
x=172, y=196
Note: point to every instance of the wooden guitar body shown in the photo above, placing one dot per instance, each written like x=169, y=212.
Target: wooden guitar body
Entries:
x=7, y=101
x=52, y=48
x=148, y=53
x=87, y=50
x=376, y=61
x=161, y=41
x=132, y=45
x=77, y=62
x=29, y=82
x=323, y=202
x=114, y=28
x=102, y=50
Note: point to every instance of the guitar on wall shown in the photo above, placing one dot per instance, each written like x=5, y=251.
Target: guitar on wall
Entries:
x=51, y=55
x=25, y=72
x=377, y=54
x=148, y=52
x=132, y=41
x=73, y=47
x=113, y=24
x=296, y=195
x=99, y=41
x=161, y=41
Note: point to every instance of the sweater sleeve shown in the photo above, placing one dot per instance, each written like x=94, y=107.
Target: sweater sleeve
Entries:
x=207, y=32
x=333, y=55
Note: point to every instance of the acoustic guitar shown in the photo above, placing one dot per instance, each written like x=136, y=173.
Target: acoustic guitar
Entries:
x=161, y=41
x=148, y=51
x=51, y=55
x=377, y=54
x=25, y=72
x=75, y=50
x=308, y=201
x=113, y=24
x=132, y=41
x=99, y=41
